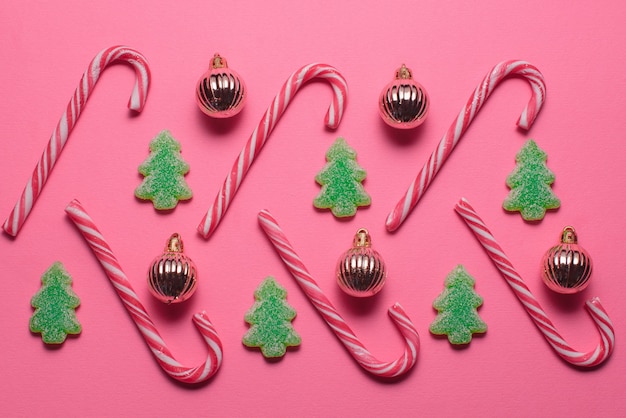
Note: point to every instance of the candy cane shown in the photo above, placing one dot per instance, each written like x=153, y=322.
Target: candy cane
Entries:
x=261, y=133
x=537, y=314
x=328, y=312
x=459, y=126
x=138, y=313
x=42, y=170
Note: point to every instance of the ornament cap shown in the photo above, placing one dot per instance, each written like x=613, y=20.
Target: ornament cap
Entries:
x=218, y=62
x=569, y=236
x=404, y=73
x=362, y=239
x=174, y=244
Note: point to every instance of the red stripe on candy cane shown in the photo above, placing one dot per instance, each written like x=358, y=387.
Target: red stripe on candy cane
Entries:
x=334, y=320
x=138, y=313
x=537, y=314
x=272, y=115
x=497, y=74
x=59, y=137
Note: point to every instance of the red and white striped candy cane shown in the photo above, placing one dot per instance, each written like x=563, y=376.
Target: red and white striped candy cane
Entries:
x=42, y=170
x=328, y=312
x=537, y=314
x=138, y=313
x=261, y=133
x=426, y=175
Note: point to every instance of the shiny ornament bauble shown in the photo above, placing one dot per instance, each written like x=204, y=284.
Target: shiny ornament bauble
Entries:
x=172, y=276
x=220, y=92
x=403, y=103
x=361, y=270
x=566, y=267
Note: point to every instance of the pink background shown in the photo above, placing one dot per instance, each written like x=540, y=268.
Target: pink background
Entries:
x=511, y=371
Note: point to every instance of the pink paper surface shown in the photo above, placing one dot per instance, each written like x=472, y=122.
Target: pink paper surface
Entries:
x=510, y=371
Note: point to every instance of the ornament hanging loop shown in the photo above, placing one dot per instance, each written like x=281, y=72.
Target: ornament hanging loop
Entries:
x=569, y=235
x=174, y=244
x=362, y=238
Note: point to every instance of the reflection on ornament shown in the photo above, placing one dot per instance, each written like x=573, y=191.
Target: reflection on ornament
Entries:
x=403, y=103
x=220, y=92
x=566, y=267
x=172, y=276
x=361, y=270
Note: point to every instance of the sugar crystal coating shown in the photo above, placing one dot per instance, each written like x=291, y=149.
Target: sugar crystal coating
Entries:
x=530, y=183
x=270, y=319
x=55, y=303
x=341, y=177
x=164, y=172
x=457, y=315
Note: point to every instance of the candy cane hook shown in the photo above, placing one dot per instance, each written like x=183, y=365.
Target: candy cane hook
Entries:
x=426, y=175
x=138, y=313
x=594, y=307
x=42, y=170
x=328, y=312
x=261, y=133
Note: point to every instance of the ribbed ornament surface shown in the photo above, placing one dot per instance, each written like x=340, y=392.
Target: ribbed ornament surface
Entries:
x=172, y=277
x=404, y=103
x=220, y=93
x=361, y=272
x=567, y=268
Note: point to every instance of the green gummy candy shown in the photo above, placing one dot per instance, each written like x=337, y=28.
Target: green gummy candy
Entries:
x=530, y=183
x=457, y=304
x=164, y=171
x=341, y=177
x=54, y=304
x=270, y=319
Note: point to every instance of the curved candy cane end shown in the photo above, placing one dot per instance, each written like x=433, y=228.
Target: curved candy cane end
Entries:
x=404, y=323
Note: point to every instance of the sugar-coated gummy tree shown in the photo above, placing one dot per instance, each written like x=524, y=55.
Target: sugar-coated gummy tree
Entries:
x=55, y=303
x=341, y=177
x=530, y=183
x=164, y=172
x=456, y=306
x=270, y=319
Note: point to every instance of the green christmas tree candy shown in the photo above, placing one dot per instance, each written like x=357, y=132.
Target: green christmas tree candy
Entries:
x=55, y=305
x=341, y=177
x=270, y=319
x=457, y=304
x=164, y=172
x=530, y=183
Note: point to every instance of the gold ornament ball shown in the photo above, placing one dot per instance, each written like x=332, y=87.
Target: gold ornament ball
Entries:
x=361, y=270
x=220, y=92
x=403, y=103
x=566, y=267
x=172, y=276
